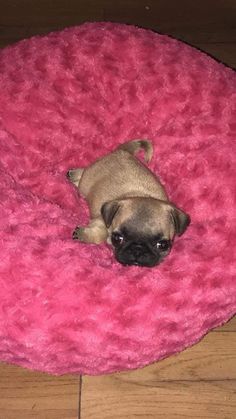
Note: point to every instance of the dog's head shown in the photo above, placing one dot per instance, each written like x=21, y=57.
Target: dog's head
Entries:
x=142, y=230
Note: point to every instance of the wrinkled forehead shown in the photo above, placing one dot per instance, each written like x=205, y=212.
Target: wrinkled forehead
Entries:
x=146, y=222
x=135, y=234
x=147, y=217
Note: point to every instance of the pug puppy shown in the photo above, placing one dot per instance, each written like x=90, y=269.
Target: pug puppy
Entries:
x=129, y=207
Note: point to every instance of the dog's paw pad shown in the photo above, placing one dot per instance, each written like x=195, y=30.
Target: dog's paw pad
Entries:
x=78, y=233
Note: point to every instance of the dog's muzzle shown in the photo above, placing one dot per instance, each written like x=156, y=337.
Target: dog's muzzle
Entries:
x=137, y=254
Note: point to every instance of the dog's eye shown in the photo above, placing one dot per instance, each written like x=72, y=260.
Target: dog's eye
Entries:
x=163, y=245
x=117, y=239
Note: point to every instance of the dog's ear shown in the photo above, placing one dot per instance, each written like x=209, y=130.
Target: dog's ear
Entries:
x=108, y=211
x=181, y=220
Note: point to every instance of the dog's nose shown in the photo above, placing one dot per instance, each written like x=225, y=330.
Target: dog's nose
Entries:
x=138, y=250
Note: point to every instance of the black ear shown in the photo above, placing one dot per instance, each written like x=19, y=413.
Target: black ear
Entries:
x=108, y=211
x=181, y=220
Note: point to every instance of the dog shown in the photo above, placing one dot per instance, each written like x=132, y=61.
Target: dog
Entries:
x=129, y=207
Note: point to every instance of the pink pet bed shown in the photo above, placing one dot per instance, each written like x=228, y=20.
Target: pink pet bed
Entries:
x=66, y=99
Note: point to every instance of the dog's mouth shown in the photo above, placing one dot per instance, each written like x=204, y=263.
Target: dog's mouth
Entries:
x=138, y=256
x=147, y=264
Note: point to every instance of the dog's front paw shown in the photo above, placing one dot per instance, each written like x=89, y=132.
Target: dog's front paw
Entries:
x=70, y=175
x=74, y=176
x=78, y=234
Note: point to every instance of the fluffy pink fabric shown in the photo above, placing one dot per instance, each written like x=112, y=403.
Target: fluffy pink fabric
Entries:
x=67, y=99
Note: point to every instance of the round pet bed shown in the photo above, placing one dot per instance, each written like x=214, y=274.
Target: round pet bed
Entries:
x=67, y=99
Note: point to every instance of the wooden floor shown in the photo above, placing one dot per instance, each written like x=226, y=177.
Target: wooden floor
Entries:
x=200, y=382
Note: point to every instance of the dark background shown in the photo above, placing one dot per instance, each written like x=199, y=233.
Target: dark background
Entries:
x=207, y=24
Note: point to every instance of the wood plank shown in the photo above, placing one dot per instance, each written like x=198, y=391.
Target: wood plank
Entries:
x=23, y=18
x=197, y=383
x=201, y=21
x=42, y=12
x=214, y=358
x=230, y=326
x=224, y=52
x=108, y=398
x=25, y=394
